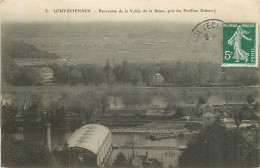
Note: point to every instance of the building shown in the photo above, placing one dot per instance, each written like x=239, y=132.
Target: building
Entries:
x=158, y=78
x=208, y=119
x=155, y=112
x=229, y=123
x=94, y=143
x=205, y=108
x=46, y=73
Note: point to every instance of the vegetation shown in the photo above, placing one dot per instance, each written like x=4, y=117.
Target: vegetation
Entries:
x=24, y=153
x=136, y=98
x=121, y=161
x=250, y=99
x=74, y=157
x=201, y=101
x=20, y=49
x=245, y=113
x=218, y=147
x=175, y=74
x=32, y=114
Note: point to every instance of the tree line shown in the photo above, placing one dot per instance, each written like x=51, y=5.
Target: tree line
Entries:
x=66, y=112
x=137, y=74
x=217, y=146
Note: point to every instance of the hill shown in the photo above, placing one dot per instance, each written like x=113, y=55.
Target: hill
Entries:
x=20, y=49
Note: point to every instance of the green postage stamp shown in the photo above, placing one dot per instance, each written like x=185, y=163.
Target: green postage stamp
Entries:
x=240, y=45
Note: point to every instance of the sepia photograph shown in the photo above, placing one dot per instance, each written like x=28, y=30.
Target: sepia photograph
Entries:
x=145, y=84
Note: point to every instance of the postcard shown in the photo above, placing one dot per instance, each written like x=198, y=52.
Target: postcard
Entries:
x=109, y=83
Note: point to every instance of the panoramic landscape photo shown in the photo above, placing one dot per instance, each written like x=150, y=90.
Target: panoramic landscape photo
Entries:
x=124, y=94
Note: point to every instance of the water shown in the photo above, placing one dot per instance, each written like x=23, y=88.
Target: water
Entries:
x=169, y=157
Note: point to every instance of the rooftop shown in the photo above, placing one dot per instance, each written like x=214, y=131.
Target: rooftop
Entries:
x=89, y=137
x=208, y=114
x=157, y=74
x=207, y=105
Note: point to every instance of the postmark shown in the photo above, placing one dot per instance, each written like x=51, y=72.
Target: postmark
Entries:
x=206, y=30
x=240, y=45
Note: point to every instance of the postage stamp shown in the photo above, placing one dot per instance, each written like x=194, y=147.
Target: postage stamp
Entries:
x=240, y=42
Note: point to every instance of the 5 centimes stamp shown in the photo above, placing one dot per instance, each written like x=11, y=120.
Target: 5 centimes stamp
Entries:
x=240, y=44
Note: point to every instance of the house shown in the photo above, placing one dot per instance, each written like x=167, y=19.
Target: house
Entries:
x=155, y=112
x=158, y=78
x=46, y=73
x=229, y=123
x=207, y=119
x=205, y=108
x=246, y=123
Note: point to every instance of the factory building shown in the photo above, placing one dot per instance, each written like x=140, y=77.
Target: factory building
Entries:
x=93, y=142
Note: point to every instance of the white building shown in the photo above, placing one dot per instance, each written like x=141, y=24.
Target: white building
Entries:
x=158, y=78
x=46, y=73
x=96, y=139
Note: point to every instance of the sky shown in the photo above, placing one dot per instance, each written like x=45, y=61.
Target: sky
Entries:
x=34, y=10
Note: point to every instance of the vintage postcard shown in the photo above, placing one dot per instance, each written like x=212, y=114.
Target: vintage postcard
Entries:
x=127, y=83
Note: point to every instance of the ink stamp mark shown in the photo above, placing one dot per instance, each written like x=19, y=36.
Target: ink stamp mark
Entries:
x=206, y=30
x=240, y=45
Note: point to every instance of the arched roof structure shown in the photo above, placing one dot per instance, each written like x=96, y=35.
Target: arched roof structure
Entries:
x=90, y=137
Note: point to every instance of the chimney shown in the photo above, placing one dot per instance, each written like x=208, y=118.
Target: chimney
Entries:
x=146, y=154
x=48, y=136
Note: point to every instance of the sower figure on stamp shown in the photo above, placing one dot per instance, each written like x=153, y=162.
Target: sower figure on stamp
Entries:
x=235, y=41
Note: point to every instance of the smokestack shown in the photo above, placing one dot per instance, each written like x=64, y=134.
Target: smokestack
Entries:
x=48, y=136
x=146, y=154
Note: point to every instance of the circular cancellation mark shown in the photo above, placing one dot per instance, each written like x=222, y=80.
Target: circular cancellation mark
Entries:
x=206, y=30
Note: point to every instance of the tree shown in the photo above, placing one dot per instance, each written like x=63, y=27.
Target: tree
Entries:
x=9, y=112
x=257, y=107
x=24, y=153
x=31, y=114
x=217, y=146
x=201, y=101
x=104, y=103
x=237, y=115
x=33, y=75
x=121, y=161
x=75, y=157
x=179, y=112
x=60, y=73
x=135, y=77
x=136, y=98
x=115, y=102
x=107, y=70
x=250, y=99
x=74, y=75
x=99, y=76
